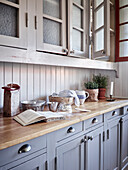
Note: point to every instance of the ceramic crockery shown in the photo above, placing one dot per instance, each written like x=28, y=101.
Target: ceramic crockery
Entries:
x=82, y=95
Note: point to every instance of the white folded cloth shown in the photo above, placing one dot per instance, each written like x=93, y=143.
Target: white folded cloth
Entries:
x=70, y=93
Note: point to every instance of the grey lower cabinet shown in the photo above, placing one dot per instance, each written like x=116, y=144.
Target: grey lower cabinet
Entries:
x=94, y=150
x=124, y=142
x=70, y=156
x=112, y=145
x=36, y=163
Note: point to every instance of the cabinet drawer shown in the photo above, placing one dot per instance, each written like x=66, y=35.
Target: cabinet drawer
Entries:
x=69, y=131
x=125, y=111
x=92, y=122
x=21, y=150
x=112, y=114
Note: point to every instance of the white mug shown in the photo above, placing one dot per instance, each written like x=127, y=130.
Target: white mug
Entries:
x=82, y=95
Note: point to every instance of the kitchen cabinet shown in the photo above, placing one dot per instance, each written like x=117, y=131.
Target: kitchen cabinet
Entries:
x=78, y=28
x=36, y=163
x=101, y=28
x=112, y=141
x=124, y=142
x=13, y=23
x=51, y=26
x=70, y=155
x=94, y=149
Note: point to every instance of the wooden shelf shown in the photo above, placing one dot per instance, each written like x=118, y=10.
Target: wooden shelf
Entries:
x=15, y=55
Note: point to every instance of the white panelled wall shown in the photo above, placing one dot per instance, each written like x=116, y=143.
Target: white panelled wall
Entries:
x=121, y=83
x=38, y=81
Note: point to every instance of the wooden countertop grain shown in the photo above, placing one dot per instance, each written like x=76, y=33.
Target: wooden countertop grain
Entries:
x=12, y=133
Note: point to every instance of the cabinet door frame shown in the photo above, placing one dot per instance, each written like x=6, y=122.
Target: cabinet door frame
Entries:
x=106, y=27
x=108, y=138
x=21, y=41
x=124, y=161
x=41, y=46
x=118, y=24
x=67, y=147
x=85, y=30
x=94, y=133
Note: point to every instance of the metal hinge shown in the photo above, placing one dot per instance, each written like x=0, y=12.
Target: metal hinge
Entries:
x=35, y=22
x=46, y=165
x=90, y=40
x=26, y=19
x=55, y=163
x=103, y=136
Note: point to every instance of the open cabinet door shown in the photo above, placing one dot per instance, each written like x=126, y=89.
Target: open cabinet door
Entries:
x=101, y=28
x=78, y=28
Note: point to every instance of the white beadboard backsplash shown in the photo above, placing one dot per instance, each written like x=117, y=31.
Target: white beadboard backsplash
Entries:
x=38, y=81
x=121, y=89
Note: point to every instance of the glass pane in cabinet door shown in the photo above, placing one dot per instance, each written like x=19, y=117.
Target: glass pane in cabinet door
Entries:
x=14, y=1
x=79, y=2
x=76, y=40
x=97, y=3
x=99, y=18
x=124, y=32
x=8, y=20
x=52, y=8
x=51, y=32
x=124, y=15
x=123, y=2
x=99, y=40
x=124, y=49
x=77, y=17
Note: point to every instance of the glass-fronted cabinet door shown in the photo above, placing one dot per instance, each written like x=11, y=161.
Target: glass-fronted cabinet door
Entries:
x=78, y=28
x=101, y=28
x=13, y=23
x=51, y=26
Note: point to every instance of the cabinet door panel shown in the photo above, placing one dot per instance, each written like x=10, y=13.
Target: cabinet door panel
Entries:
x=101, y=28
x=112, y=145
x=94, y=150
x=13, y=28
x=37, y=163
x=51, y=26
x=78, y=28
x=70, y=156
x=124, y=141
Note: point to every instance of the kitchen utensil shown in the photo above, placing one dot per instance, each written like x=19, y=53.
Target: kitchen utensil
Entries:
x=37, y=105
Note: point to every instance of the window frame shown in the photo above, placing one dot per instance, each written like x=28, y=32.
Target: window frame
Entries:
x=117, y=49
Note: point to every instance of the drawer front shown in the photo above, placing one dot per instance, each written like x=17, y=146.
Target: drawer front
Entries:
x=112, y=114
x=69, y=131
x=95, y=121
x=125, y=111
x=21, y=150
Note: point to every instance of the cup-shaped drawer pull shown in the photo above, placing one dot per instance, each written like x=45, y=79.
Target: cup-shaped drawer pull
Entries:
x=71, y=130
x=95, y=120
x=127, y=109
x=24, y=148
x=114, y=113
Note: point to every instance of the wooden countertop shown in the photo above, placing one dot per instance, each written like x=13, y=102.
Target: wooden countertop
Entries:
x=12, y=133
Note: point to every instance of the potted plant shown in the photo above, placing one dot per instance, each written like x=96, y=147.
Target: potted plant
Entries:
x=102, y=82
x=92, y=89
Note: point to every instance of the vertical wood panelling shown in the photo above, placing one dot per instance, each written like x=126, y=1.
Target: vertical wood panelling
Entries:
x=8, y=73
x=30, y=82
x=23, y=82
x=42, y=81
x=121, y=88
x=38, y=81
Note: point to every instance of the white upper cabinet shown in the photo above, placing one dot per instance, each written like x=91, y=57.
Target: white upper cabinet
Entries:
x=101, y=28
x=78, y=28
x=13, y=23
x=51, y=26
